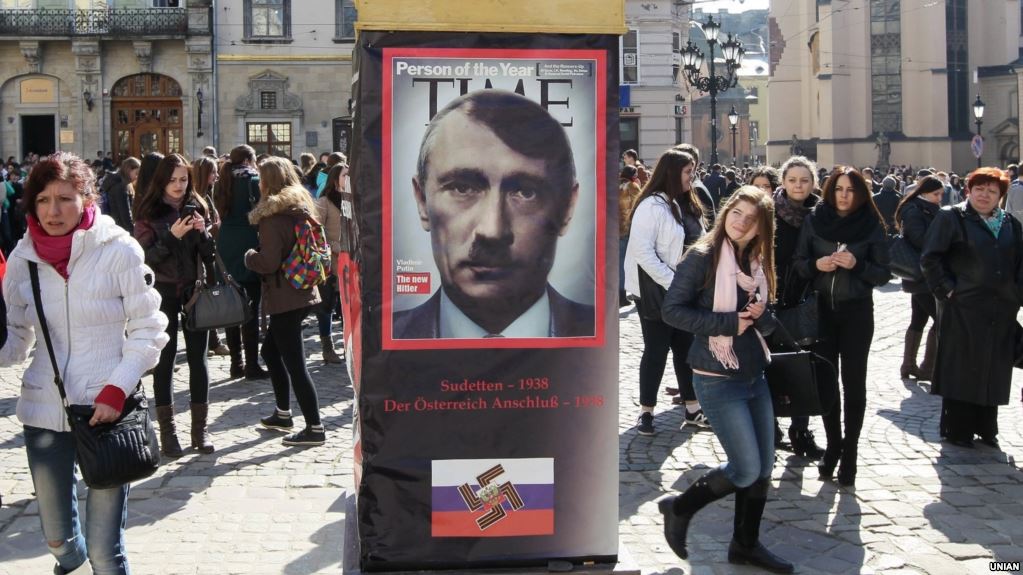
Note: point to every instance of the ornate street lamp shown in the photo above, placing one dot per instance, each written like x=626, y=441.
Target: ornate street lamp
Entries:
x=733, y=119
x=692, y=64
x=200, y=98
x=978, y=114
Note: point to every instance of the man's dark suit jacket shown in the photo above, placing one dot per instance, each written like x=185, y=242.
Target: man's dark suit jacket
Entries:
x=568, y=318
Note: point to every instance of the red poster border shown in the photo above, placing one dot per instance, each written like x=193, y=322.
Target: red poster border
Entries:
x=387, y=263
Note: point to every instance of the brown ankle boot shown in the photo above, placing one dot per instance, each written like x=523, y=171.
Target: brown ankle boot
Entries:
x=200, y=436
x=910, y=347
x=169, y=445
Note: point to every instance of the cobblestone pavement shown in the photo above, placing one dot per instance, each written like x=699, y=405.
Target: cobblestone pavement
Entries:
x=255, y=506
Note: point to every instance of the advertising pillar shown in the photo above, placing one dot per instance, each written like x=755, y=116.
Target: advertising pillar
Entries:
x=480, y=283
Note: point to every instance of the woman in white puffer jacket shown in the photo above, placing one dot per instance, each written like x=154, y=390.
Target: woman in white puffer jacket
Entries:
x=106, y=327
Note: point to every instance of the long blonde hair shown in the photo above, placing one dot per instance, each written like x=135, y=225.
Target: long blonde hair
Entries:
x=762, y=245
x=277, y=175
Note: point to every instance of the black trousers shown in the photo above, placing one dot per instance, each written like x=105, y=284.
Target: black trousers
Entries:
x=961, y=420
x=845, y=336
x=284, y=355
x=195, y=352
x=247, y=335
x=658, y=339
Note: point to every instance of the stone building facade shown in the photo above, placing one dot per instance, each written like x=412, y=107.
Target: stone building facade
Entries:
x=121, y=77
x=852, y=76
x=284, y=75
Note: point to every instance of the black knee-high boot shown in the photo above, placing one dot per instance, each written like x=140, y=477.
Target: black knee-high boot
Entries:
x=833, y=432
x=746, y=548
x=678, y=510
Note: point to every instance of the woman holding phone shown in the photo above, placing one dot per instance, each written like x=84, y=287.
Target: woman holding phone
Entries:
x=171, y=226
x=842, y=250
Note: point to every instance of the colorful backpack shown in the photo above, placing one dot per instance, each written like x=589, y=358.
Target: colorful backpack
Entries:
x=308, y=264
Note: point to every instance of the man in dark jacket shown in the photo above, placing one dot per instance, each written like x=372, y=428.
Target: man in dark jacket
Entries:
x=887, y=200
x=716, y=184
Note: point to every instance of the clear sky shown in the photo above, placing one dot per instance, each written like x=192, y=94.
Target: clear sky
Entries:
x=730, y=5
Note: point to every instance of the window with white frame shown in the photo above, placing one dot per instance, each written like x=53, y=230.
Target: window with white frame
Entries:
x=344, y=20
x=630, y=57
x=267, y=20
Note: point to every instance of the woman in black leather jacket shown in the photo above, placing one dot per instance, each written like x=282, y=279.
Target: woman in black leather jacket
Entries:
x=913, y=216
x=842, y=250
x=719, y=294
x=972, y=263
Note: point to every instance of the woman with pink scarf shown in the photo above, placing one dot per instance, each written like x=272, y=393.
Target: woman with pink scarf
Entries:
x=720, y=294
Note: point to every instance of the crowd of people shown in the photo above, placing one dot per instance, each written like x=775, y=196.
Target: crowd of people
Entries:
x=710, y=253
x=119, y=254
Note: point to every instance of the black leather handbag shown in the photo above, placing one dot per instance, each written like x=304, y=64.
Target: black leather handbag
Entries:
x=802, y=383
x=108, y=454
x=651, y=296
x=216, y=303
x=904, y=259
x=801, y=320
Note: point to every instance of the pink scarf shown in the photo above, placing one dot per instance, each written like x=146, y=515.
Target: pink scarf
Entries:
x=726, y=278
x=56, y=250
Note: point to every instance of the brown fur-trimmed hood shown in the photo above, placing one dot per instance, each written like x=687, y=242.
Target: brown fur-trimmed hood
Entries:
x=293, y=200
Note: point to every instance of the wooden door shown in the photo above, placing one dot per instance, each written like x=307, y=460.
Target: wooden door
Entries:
x=146, y=116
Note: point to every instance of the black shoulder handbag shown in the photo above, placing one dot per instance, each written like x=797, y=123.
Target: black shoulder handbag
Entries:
x=215, y=304
x=800, y=320
x=651, y=296
x=802, y=383
x=109, y=454
x=904, y=259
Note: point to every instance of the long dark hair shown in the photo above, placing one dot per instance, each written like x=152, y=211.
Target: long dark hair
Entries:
x=330, y=189
x=861, y=193
x=224, y=195
x=761, y=247
x=927, y=185
x=667, y=178
x=152, y=199
x=146, y=170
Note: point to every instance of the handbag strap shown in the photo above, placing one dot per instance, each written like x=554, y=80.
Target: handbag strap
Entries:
x=200, y=274
x=786, y=338
x=33, y=272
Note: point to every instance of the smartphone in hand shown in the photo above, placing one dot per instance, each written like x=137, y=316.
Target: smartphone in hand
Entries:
x=841, y=248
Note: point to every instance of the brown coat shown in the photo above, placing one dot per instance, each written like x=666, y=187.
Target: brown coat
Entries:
x=276, y=217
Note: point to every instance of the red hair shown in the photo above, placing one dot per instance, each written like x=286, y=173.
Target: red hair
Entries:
x=59, y=167
x=982, y=176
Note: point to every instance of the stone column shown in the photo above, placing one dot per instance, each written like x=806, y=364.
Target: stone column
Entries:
x=89, y=127
x=199, y=128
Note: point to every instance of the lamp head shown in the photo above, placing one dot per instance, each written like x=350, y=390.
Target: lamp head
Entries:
x=733, y=116
x=711, y=29
x=978, y=108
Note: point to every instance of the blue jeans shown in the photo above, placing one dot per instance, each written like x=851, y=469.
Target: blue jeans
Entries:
x=741, y=413
x=51, y=460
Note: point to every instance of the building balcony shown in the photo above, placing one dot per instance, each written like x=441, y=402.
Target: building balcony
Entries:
x=108, y=22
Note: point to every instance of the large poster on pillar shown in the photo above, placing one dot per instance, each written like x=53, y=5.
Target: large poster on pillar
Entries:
x=488, y=404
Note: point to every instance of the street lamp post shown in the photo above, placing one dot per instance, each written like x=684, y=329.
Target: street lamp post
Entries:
x=733, y=119
x=978, y=114
x=692, y=62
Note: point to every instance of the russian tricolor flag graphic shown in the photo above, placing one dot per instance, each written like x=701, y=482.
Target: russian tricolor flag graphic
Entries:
x=492, y=497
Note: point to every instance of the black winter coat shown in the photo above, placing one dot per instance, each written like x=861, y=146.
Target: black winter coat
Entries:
x=842, y=285
x=791, y=285
x=689, y=306
x=887, y=201
x=976, y=348
x=916, y=217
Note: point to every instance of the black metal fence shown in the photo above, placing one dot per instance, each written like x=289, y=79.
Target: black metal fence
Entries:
x=94, y=22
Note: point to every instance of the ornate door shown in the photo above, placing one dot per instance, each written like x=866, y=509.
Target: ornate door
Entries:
x=146, y=115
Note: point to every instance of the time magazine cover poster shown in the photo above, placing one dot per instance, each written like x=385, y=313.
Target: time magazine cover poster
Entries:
x=493, y=198
x=487, y=410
